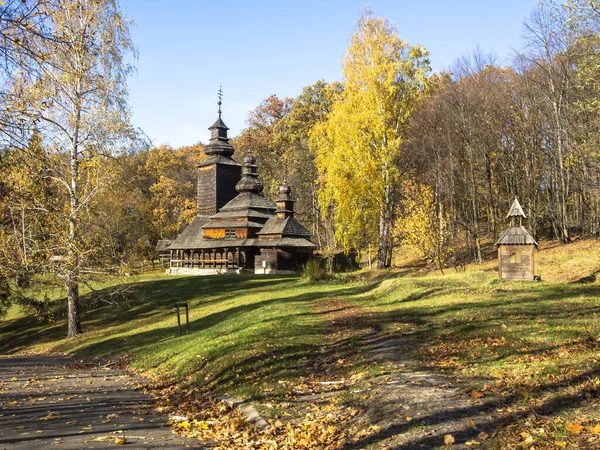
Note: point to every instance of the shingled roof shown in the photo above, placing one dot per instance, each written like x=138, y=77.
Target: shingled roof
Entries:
x=231, y=224
x=251, y=212
x=284, y=242
x=162, y=245
x=191, y=237
x=516, y=210
x=246, y=201
x=516, y=236
x=285, y=227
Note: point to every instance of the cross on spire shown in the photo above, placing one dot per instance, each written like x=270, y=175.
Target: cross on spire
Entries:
x=220, y=96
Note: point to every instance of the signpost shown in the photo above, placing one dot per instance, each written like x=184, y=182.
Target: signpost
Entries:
x=187, y=317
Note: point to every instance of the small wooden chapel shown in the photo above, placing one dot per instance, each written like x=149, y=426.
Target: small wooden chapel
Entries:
x=516, y=248
x=238, y=229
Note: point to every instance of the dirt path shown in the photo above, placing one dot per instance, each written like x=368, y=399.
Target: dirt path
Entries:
x=51, y=402
x=414, y=406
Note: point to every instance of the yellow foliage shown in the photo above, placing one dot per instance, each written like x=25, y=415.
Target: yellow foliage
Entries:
x=358, y=146
x=422, y=224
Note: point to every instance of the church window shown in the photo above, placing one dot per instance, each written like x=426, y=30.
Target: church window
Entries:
x=229, y=234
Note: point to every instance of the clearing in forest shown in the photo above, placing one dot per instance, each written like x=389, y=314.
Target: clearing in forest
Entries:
x=392, y=360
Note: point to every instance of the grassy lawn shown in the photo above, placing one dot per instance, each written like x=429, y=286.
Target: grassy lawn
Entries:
x=535, y=346
x=245, y=331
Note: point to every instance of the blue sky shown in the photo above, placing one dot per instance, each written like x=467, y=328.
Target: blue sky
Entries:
x=258, y=48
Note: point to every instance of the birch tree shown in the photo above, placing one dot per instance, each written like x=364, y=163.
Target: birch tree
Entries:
x=77, y=100
x=359, y=145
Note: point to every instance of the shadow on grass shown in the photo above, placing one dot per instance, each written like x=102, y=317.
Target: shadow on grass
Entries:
x=511, y=403
x=148, y=298
x=524, y=312
x=518, y=308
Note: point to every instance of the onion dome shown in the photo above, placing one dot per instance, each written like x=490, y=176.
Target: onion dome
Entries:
x=249, y=181
x=285, y=192
x=285, y=202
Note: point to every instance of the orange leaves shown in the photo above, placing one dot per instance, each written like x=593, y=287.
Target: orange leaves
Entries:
x=483, y=436
x=476, y=394
x=574, y=427
x=321, y=428
x=553, y=433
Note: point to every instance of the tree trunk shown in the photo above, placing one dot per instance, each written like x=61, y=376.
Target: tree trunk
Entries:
x=72, y=275
x=561, y=197
x=73, y=306
x=475, y=224
x=385, y=228
x=382, y=242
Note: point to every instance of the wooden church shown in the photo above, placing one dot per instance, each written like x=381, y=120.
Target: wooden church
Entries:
x=236, y=228
x=516, y=248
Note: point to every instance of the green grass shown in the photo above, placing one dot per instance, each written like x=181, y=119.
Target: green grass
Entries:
x=484, y=327
x=254, y=336
x=468, y=323
x=246, y=331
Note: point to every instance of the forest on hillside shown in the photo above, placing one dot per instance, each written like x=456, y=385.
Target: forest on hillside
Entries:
x=392, y=154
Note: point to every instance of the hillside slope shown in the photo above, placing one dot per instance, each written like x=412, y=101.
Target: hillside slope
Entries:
x=291, y=347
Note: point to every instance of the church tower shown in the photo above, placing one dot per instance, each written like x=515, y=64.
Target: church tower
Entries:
x=219, y=173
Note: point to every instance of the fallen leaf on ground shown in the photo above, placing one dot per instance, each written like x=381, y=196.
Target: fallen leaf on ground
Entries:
x=50, y=416
x=120, y=440
x=184, y=425
x=595, y=429
x=527, y=438
x=473, y=442
x=475, y=394
x=574, y=427
x=449, y=439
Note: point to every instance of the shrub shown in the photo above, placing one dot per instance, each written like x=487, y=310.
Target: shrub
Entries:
x=314, y=270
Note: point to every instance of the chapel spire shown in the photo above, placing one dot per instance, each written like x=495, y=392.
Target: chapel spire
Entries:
x=219, y=172
x=516, y=212
x=219, y=142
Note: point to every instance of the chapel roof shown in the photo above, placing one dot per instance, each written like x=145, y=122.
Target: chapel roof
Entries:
x=286, y=227
x=516, y=210
x=231, y=224
x=516, y=236
x=162, y=245
x=191, y=237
